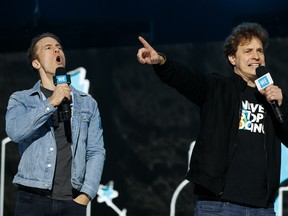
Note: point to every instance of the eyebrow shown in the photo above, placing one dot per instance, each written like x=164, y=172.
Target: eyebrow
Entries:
x=49, y=44
x=251, y=48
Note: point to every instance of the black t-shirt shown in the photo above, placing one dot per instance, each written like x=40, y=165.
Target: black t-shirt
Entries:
x=245, y=181
x=62, y=188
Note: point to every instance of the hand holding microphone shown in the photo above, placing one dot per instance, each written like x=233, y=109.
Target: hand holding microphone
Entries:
x=61, y=94
x=272, y=92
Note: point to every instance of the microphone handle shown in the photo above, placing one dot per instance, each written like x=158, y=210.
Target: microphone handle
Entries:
x=64, y=110
x=277, y=111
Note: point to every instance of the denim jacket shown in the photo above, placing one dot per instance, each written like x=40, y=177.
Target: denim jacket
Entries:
x=28, y=123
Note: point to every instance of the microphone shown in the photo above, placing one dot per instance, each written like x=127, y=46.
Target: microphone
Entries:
x=61, y=77
x=64, y=109
x=263, y=81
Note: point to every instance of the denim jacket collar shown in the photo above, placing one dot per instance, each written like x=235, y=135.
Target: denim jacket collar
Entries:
x=36, y=90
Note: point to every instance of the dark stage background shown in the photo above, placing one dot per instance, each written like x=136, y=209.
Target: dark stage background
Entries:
x=148, y=127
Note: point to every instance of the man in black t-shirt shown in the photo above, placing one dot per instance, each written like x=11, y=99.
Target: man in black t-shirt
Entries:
x=235, y=164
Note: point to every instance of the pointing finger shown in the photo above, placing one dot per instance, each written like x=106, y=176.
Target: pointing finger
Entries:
x=145, y=43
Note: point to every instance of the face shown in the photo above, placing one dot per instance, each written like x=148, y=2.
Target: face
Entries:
x=49, y=56
x=248, y=57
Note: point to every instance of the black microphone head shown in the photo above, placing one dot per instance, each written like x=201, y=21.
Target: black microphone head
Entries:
x=60, y=71
x=61, y=76
x=261, y=71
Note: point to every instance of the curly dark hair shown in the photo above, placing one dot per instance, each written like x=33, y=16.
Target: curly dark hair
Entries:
x=244, y=33
x=31, y=51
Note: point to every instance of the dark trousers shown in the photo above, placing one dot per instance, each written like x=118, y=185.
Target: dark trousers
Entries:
x=218, y=208
x=30, y=204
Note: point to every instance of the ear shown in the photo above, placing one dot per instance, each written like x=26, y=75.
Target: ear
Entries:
x=232, y=59
x=36, y=64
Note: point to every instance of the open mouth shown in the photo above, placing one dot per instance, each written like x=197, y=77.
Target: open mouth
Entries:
x=58, y=59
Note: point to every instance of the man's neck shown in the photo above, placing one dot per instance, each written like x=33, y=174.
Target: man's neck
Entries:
x=251, y=84
x=48, y=83
x=249, y=80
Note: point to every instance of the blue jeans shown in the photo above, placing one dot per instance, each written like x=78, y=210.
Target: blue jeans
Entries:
x=218, y=208
x=30, y=204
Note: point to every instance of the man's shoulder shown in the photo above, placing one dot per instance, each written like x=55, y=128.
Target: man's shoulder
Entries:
x=217, y=77
x=24, y=92
x=82, y=96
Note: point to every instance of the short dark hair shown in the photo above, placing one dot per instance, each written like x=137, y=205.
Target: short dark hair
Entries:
x=243, y=33
x=31, y=52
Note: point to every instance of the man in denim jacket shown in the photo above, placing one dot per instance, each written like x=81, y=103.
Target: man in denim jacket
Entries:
x=58, y=174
